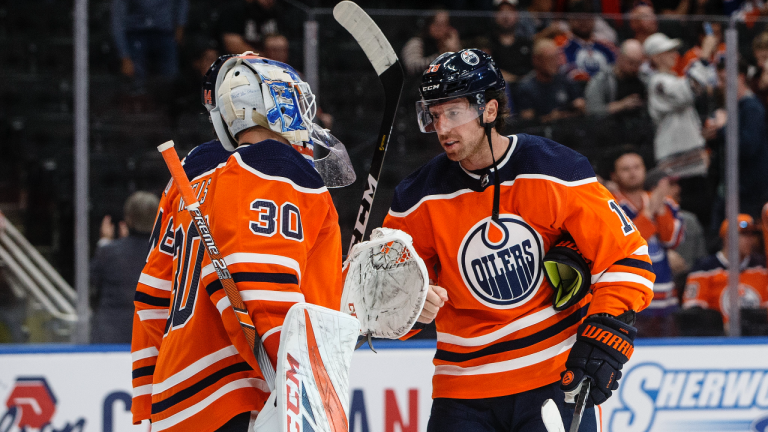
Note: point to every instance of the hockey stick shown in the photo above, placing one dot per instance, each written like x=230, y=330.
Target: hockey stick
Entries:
x=241, y=312
x=550, y=415
x=384, y=60
x=581, y=404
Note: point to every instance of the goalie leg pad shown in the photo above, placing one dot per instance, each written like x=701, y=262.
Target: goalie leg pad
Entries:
x=312, y=379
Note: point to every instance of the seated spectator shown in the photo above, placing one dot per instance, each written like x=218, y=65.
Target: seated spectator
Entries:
x=694, y=245
x=245, y=24
x=276, y=47
x=546, y=94
x=643, y=22
x=437, y=37
x=201, y=52
x=671, y=7
x=115, y=270
x=709, y=50
x=656, y=217
x=753, y=144
x=585, y=55
x=671, y=102
x=146, y=35
x=707, y=283
x=757, y=74
x=618, y=89
x=510, y=48
x=530, y=23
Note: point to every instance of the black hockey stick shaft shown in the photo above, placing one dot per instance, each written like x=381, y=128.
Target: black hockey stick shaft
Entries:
x=384, y=60
x=392, y=80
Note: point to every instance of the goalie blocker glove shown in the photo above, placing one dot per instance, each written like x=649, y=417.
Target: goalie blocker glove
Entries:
x=603, y=345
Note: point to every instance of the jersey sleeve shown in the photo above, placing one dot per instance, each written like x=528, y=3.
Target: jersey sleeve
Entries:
x=622, y=274
x=152, y=302
x=268, y=231
x=670, y=225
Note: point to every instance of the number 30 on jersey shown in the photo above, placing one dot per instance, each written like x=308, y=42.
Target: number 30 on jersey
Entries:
x=269, y=219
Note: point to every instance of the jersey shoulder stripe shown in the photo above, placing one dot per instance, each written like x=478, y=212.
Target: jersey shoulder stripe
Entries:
x=276, y=159
x=537, y=155
x=532, y=157
x=205, y=157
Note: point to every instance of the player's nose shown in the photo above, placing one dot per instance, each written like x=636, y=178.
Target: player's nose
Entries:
x=441, y=125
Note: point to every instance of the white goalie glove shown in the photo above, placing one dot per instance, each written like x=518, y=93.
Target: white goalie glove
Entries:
x=386, y=284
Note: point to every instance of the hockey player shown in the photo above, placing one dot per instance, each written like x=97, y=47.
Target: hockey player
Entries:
x=482, y=216
x=277, y=228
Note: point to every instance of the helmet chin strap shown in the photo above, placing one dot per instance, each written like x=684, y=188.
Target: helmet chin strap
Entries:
x=488, y=126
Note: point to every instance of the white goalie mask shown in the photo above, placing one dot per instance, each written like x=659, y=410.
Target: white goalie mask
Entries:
x=254, y=91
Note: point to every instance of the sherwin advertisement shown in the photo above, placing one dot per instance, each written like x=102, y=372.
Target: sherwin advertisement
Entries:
x=702, y=385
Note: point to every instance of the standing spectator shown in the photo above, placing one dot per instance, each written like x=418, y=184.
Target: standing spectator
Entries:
x=146, y=34
x=618, y=89
x=245, y=24
x=707, y=284
x=585, y=56
x=671, y=101
x=643, y=22
x=546, y=94
x=509, y=45
x=115, y=269
x=437, y=37
x=709, y=50
x=753, y=146
x=656, y=217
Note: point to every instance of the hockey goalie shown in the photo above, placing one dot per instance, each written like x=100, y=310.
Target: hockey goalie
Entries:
x=265, y=199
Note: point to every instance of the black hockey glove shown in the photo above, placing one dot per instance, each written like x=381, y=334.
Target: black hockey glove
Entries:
x=603, y=345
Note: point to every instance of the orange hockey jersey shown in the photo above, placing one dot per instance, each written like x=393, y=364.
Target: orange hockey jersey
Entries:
x=707, y=283
x=498, y=333
x=275, y=224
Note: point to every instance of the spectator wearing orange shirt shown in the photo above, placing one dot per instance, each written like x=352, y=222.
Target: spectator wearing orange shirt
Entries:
x=709, y=50
x=657, y=219
x=707, y=283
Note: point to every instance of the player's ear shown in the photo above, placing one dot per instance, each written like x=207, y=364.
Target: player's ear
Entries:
x=491, y=110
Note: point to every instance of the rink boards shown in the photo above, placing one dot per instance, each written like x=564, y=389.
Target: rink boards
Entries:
x=669, y=385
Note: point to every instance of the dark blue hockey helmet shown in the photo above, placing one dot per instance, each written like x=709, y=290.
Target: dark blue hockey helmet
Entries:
x=466, y=73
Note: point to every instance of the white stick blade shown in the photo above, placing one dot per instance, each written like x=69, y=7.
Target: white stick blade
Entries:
x=367, y=34
x=550, y=415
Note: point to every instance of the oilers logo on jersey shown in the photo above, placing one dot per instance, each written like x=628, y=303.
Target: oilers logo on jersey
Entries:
x=500, y=262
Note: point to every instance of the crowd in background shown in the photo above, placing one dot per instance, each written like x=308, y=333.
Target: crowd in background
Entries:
x=641, y=96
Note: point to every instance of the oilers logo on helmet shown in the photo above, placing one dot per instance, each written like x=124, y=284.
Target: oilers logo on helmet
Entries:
x=500, y=262
x=470, y=58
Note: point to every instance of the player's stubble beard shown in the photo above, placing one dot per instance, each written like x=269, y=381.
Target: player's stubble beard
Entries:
x=471, y=147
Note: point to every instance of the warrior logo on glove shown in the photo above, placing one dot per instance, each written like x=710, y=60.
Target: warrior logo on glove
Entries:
x=603, y=345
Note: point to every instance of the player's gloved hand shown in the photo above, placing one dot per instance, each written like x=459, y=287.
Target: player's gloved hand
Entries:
x=603, y=345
